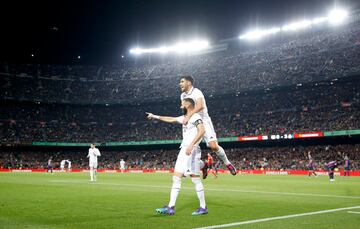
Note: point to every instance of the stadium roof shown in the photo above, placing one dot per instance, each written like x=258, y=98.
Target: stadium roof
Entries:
x=103, y=31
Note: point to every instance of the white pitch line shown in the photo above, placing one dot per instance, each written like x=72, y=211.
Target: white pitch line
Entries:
x=214, y=189
x=277, y=218
x=353, y=212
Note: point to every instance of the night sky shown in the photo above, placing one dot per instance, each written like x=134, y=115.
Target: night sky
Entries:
x=101, y=31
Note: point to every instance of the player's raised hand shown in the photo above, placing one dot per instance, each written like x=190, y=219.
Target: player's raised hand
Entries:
x=149, y=115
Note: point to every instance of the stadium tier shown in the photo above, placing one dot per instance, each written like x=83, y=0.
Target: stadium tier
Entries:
x=317, y=56
x=324, y=106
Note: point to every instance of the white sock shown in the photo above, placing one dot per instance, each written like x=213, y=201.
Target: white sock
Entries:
x=221, y=154
x=199, y=187
x=175, y=189
x=94, y=174
x=91, y=174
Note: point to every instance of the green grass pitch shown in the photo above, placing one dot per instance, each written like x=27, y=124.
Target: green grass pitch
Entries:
x=69, y=200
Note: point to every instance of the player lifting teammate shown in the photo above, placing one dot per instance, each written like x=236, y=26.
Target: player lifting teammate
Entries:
x=188, y=160
x=188, y=91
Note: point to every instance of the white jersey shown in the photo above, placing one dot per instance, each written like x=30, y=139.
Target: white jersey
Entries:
x=189, y=130
x=62, y=163
x=93, y=154
x=195, y=94
x=69, y=164
x=122, y=164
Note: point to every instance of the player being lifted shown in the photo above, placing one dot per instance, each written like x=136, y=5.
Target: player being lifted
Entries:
x=188, y=160
x=311, y=165
x=188, y=91
x=93, y=154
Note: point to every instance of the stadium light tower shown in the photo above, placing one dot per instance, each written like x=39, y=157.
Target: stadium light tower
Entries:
x=258, y=34
x=179, y=48
x=337, y=16
x=334, y=17
x=297, y=25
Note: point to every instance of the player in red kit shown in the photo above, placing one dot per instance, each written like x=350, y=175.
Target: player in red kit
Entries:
x=209, y=163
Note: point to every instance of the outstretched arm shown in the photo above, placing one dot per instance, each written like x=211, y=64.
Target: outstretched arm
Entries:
x=167, y=119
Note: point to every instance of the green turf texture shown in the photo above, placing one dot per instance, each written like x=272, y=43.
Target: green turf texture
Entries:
x=69, y=200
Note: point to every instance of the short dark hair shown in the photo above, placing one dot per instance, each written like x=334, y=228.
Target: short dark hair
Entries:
x=190, y=100
x=188, y=78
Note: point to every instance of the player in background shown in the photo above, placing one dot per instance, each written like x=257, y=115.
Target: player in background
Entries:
x=69, y=165
x=50, y=165
x=122, y=165
x=347, y=166
x=188, y=91
x=62, y=165
x=311, y=165
x=210, y=164
x=331, y=167
x=216, y=168
x=93, y=155
x=188, y=160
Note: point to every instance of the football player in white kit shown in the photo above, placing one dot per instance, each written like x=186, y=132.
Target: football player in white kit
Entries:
x=69, y=164
x=93, y=161
x=189, y=91
x=62, y=165
x=122, y=165
x=188, y=160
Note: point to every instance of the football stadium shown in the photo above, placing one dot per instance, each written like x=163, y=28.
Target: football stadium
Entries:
x=180, y=114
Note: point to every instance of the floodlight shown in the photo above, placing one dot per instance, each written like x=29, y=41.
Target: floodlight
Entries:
x=319, y=20
x=297, y=25
x=180, y=47
x=337, y=16
x=257, y=34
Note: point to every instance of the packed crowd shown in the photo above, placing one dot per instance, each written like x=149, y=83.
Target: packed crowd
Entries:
x=276, y=158
x=321, y=55
x=321, y=107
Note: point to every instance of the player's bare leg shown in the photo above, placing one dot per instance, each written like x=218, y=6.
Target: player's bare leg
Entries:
x=220, y=152
x=214, y=173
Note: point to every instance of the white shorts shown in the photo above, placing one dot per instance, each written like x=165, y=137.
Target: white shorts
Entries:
x=93, y=164
x=188, y=164
x=210, y=134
